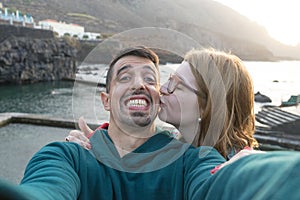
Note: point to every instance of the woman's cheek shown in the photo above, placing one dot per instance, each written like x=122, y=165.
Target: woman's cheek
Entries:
x=170, y=110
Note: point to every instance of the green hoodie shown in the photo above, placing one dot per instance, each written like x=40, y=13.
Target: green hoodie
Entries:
x=161, y=168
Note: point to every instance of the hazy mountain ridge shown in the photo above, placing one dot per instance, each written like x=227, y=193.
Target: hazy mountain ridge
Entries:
x=208, y=22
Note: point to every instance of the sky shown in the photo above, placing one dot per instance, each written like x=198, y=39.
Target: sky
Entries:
x=281, y=18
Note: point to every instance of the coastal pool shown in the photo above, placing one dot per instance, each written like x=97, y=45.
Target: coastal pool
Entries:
x=18, y=143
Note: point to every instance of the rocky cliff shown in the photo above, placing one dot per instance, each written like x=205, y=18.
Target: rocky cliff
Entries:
x=28, y=59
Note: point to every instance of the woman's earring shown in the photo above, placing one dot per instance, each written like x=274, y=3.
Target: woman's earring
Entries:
x=199, y=119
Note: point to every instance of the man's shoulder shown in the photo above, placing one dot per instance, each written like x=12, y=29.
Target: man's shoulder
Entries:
x=202, y=159
x=62, y=148
x=203, y=151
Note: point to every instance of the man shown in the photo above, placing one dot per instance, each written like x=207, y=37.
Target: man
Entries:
x=133, y=159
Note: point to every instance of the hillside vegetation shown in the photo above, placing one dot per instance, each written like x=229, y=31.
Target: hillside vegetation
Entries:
x=208, y=22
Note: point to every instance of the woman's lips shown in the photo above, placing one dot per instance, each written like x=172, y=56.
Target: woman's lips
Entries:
x=161, y=102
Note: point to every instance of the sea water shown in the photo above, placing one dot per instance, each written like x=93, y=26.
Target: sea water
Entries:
x=277, y=80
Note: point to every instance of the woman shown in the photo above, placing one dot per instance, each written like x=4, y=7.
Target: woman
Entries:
x=224, y=90
x=209, y=99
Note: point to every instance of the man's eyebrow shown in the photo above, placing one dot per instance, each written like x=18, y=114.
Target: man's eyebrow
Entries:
x=148, y=67
x=123, y=69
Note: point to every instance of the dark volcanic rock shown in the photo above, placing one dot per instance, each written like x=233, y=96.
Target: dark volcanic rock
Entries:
x=29, y=60
x=261, y=98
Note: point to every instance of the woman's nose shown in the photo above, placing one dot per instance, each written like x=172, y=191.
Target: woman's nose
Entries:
x=164, y=90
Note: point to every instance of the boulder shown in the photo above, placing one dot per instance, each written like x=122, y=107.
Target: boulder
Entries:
x=261, y=98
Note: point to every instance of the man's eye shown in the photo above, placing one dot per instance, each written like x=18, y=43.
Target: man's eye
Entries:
x=150, y=80
x=124, y=78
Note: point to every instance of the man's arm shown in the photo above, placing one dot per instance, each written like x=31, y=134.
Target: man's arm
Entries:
x=271, y=175
x=52, y=172
x=198, y=164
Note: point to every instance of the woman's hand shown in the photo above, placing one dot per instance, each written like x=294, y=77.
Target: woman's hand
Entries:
x=244, y=152
x=81, y=137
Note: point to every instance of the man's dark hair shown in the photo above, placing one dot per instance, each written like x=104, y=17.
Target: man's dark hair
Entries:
x=139, y=51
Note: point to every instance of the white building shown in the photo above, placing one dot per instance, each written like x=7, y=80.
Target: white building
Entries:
x=90, y=36
x=61, y=28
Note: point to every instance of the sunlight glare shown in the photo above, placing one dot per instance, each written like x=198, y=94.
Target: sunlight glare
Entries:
x=280, y=17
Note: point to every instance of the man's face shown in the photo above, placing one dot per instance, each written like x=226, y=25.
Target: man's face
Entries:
x=133, y=99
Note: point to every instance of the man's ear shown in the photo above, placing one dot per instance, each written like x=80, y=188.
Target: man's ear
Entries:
x=105, y=100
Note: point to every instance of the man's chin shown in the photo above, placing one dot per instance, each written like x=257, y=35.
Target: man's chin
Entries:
x=138, y=114
x=141, y=121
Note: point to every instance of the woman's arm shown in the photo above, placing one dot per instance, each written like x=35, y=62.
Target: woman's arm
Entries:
x=82, y=136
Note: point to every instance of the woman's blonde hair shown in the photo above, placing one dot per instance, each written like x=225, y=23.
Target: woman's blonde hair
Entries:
x=227, y=100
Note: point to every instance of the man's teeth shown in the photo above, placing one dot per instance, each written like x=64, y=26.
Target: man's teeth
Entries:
x=137, y=102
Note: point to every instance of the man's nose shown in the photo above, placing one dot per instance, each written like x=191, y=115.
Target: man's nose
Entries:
x=138, y=83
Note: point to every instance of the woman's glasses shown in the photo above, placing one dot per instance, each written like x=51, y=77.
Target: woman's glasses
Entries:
x=175, y=80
